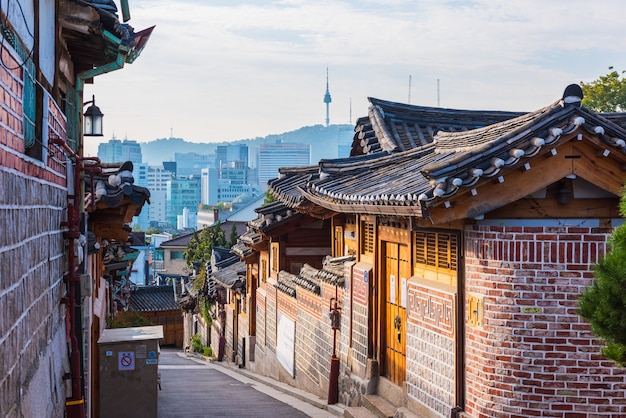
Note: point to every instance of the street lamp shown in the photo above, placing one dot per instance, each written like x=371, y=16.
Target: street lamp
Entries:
x=93, y=119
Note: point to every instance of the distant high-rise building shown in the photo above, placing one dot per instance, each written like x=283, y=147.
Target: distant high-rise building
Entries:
x=327, y=100
x=191, y=163
x=182, y=193
x=226, y=185
x=226, y=154
x=344, y=142
x=140, y=176
x=270, y=157
x=115, y=151
x=170, y=166
x=158, y=176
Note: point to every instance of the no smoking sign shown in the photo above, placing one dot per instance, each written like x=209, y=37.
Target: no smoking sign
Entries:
x=126, y=360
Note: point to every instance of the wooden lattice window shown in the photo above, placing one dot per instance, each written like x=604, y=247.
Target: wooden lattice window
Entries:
x=263, y=270
x=367, y=237
x=274, y=257
x=338, y=245
x=436, y=249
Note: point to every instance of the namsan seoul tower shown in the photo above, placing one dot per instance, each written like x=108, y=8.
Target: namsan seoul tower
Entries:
x=327, y=100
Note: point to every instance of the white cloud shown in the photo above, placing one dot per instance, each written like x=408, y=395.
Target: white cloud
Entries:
x=225, y=70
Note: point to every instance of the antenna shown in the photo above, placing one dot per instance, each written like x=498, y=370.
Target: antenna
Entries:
x=409, y=102
x=350, y=121
x=438, y=101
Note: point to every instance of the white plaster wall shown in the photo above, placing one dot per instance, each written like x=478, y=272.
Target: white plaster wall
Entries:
x=47, y=39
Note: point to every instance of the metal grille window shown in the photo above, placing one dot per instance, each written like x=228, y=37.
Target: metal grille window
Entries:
x=29, y=92
x=29, y=104
x=436, y=249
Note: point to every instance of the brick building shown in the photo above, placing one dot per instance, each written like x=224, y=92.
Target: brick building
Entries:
x=50, y=49
x=471, y=235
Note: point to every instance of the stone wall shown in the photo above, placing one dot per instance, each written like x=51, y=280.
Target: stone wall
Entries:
x=430, y=348
x=532, y=354
x=33, y=201
x=314, y=339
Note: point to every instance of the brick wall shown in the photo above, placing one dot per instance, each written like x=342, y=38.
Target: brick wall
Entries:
x=260, y=319
x=270, y=318
x=533, y=355
x=33, y=199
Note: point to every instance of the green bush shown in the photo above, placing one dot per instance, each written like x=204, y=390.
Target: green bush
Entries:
x=208, y=352
x=196, y=344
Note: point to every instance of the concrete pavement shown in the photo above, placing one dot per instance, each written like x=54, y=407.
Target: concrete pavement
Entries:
x=193, y=387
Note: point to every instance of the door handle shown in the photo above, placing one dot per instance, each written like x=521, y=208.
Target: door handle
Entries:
x=397, y=324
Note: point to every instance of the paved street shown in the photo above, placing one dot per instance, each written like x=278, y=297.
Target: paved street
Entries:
x=195, y=388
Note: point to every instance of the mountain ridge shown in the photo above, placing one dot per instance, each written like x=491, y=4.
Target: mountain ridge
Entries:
x=324, y=141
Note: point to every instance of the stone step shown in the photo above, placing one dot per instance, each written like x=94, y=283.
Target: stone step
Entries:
x=358, y=412
x=379, y=406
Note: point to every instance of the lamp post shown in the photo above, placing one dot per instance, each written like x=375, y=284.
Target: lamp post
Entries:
x=335, y=324
x=92, y=119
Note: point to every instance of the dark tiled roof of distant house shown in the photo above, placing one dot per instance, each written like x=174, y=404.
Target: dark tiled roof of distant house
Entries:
x=179, y=241
x=153, y=299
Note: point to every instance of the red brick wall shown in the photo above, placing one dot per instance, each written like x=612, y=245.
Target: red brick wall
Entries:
x=533, y=355
x=33, y=203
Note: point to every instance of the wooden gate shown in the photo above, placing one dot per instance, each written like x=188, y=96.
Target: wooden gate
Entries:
x=397, y=268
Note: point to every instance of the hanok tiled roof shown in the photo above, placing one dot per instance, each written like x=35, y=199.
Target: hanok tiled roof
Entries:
x=114, y=186
x=271, y=216
x=394, y=127
x=232, y=276
x=286, y=283
x=153, y=299
x=404, y=182
x=222, y=257
x=311, y=278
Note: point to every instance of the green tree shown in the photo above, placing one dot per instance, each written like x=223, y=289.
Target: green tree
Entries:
x=201, y=244
x=232, y=240
x=607, y=93
x=603, y=303
x=268, y=198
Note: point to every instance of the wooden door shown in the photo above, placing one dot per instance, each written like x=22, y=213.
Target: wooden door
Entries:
x=397, y=269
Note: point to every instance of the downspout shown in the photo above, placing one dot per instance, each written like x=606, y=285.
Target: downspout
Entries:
x=75, y=405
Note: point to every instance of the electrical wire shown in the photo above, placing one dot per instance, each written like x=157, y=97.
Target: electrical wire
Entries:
x=2, y=47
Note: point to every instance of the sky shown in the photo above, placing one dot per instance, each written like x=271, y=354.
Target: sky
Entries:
x=223, y=70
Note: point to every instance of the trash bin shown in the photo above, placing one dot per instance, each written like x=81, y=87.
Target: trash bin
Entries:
x=129, y=376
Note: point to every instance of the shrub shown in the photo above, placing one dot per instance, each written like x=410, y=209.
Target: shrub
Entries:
x=196, y=343
x=208, y=352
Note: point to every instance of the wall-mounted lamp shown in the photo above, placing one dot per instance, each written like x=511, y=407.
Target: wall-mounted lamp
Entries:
x=93, y=119
x=563, y=193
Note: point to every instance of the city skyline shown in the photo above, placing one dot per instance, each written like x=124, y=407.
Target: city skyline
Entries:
x=224, y=71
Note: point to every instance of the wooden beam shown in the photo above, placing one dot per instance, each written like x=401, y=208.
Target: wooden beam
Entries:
x=491, y=195
x=604, y=172
x=581, y=158
x=530, y=208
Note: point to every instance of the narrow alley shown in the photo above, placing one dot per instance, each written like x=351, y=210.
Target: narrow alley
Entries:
x=195, y=388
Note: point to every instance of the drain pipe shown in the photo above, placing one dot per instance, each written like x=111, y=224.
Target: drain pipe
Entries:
x=75, y=405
